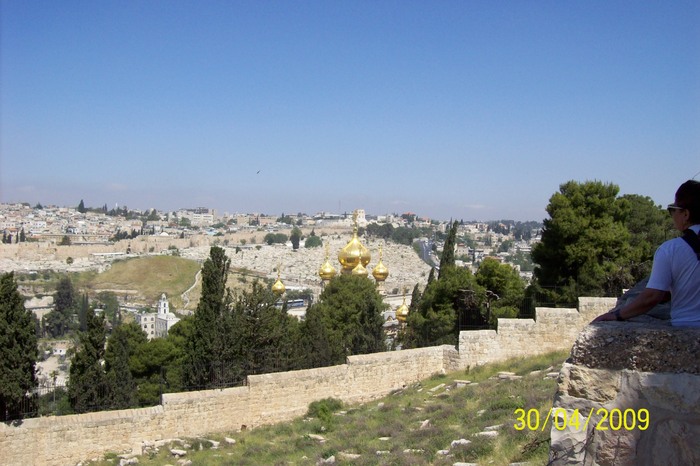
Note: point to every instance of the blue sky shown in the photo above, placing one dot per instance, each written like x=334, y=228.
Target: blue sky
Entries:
x=449, y=109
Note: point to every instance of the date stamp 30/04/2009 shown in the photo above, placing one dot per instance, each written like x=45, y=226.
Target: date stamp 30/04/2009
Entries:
x=614, y=419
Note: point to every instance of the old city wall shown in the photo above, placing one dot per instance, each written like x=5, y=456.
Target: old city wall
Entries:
x=46, y=251
x=271, y=398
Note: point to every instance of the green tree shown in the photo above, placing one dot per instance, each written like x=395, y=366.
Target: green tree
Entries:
x=506, y=286
x=295, y=238
x=207, y=345
x=264, y=338
x=649, y=226
x=87, y=386
x=449, y=303
x=275, y=238
x=313, y=242
x=447, y=259
x=83, y=310
x=81, y=207
x=584, y=242
x=60, y=320
x=65, y=241
x=108, y=301
x=347, y=320
x=119, y=380
x=156, y=365
x=18, y=351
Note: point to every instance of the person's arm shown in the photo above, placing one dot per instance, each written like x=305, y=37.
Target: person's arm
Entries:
x=646, y=300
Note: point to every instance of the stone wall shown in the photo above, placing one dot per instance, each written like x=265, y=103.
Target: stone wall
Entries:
x=552, y=329
x=271, y=398
x=636, y=387
x=266, y=399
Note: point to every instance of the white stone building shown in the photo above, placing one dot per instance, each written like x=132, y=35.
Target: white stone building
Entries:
x=164, y=318
x=147, y=321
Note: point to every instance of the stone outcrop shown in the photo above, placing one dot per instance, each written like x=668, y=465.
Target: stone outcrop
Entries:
x=629, y=394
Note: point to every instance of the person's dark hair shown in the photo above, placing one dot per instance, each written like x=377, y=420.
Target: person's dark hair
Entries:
x=688, y=197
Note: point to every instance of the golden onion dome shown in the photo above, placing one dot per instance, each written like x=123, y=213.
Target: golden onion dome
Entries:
x=402, y=312
x=380, y=272
x=359, y=270
x=354, y=252
x=326, y=272
x=278, y=287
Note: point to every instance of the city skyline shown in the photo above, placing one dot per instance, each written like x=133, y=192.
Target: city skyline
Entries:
x=467, y=110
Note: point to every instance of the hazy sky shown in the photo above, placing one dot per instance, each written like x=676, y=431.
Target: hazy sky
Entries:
x=449, y=109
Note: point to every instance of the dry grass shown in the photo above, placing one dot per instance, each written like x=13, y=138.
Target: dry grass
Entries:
x=145, y=277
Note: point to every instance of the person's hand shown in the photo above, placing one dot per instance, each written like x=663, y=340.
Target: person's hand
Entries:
x=605, y=317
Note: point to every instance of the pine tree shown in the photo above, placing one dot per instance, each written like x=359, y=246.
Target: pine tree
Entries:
x=87, y=386
x=81, y=207
x=18, y=350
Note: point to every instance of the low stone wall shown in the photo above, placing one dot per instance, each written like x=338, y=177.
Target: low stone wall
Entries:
x=637, y=391
x=278, y=397
x=550, y=330
x=267, y=399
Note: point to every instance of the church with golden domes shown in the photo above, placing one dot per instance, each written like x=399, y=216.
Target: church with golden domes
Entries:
x=354, y=258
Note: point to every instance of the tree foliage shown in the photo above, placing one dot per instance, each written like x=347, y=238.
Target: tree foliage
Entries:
x=60, y=320
x=313, y=241
x=275, y=238
x=447, y=259
x=502, y=280
x=347, y=320
x=584, y=242
x=118, y=378
x=649, y=226
x=295, y=238
x=207, y=344
x=453, y=301
x=87, y=386
x=18, y=350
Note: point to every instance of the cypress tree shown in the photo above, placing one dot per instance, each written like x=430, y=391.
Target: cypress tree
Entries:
x=122, y=388
x=204, y=345
x=18, y=350
x=87, y=387
x=448, y=252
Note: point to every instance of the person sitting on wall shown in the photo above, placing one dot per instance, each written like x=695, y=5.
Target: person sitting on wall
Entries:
x=676, y=267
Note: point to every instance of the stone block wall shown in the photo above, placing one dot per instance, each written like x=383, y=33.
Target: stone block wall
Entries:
x=271, y=398
x=267, y=399
x=635, y=389
x=551, y=329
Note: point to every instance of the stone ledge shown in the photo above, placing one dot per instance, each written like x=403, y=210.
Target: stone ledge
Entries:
x=642, y=347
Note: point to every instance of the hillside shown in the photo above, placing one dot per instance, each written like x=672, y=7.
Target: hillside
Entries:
x=143, y=278
x=466, y=416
